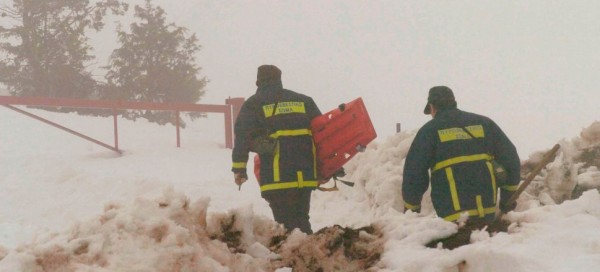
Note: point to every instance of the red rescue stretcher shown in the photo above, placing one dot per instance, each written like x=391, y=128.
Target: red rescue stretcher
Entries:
x=339, y=135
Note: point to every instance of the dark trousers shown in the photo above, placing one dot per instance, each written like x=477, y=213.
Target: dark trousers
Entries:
x=290, y=208
x=463, y=236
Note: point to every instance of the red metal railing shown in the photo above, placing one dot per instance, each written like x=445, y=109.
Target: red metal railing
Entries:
x=230, y=110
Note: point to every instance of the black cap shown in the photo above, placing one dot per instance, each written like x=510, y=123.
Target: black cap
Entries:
x=267, y=73
x=441, y=97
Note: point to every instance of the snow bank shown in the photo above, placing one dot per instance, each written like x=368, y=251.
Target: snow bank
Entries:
x=52, y=195
x=167, y=234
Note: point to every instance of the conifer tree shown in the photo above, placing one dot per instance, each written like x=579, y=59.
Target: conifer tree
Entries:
x=44, y=45
x=156, y=63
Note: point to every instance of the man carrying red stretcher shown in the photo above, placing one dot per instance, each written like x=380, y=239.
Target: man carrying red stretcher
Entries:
x=297, y=147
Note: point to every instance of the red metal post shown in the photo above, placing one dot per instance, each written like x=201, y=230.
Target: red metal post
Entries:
x=116, y=131
x=63, y=128
x=227, y=110
x=230, y=117
x=108, y=104
x=177, y=126
x=228, y=130
x=235, y=105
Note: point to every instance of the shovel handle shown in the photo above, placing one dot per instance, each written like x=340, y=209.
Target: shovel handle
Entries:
x=545, y=160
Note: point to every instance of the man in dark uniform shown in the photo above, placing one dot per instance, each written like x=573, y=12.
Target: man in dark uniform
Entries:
x=458, y=148
x=275, y=123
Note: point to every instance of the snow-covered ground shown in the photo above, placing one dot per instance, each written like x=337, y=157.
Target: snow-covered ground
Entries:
x=69, y=205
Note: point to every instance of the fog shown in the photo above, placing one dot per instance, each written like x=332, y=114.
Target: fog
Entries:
x=528, y=65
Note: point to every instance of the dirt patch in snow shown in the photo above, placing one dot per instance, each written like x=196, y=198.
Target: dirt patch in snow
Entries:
x=334, y=248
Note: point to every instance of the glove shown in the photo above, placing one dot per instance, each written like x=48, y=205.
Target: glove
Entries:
x=505, y=209
x=240, y=178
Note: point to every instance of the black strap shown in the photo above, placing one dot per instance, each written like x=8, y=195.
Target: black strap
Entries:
x=274, y=108
x=476, y=139
x=277, y=98
x=348, y=183
x=468, y=132
x=265, y=120
x=335, y=188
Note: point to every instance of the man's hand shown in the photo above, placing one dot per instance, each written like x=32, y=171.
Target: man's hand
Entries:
x=240, y=178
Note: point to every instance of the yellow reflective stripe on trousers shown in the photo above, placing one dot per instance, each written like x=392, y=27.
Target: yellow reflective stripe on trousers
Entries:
x=291, y=132
x=455, y=160
x=510, y=188
x=453, y=191
x=239, y=165
x=494, y=188
x=276, y=175
x=410, y=206
x=287, y=185
x=456, y=216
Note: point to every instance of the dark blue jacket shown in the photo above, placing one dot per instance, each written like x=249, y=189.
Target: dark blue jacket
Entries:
x=462, y=178
x=293, y=165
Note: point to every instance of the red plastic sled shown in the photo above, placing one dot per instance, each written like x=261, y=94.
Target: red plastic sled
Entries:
x=338, y=134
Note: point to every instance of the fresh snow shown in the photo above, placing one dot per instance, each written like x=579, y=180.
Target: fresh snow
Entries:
x=70, y=205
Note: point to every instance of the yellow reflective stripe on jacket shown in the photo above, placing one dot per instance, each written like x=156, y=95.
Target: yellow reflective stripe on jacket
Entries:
x=291, y=132
x=494, y=188
x=301, y=183
x=479, y=206
x=461, y=159
x=276, y=174
x=452, y=134
x=476, y=130
x=510, y=188
x=239, y=165
x=277, y=155
x=474, y=212
x=300, y=179
x=453, y=191
x=284, y=108
x=288, y=185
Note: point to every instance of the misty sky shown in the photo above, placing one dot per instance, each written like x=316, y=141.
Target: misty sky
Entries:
x=529, y=65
